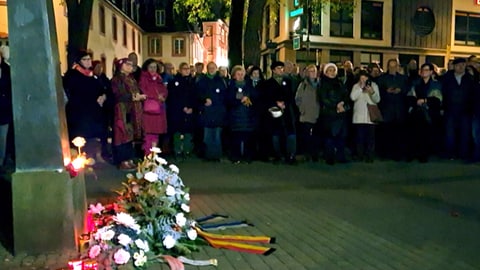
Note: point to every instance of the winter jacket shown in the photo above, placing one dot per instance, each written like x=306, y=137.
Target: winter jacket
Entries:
x=216, y=90
x=272, y=91
x=181, y=94
x=307, y=102
x=393, y=106
x=457, y=98
x=152, y=86
x=242, y=117
x=360, y=100
x=332, y=92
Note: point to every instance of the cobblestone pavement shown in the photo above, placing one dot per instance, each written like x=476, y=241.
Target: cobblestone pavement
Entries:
x=384, y=215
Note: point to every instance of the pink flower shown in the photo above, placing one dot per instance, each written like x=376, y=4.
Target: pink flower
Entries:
x=94, y=251
x=121, y=256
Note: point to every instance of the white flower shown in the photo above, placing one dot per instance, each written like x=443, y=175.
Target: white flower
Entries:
x=107, y=235
x=142, y=244
x=174, y=168
x=155, y=150
x=185, y=208
x=121, y=256
x=187, y=196
x=180, y=219
x=151, y=176
x=192, y=234
x=161, y=161
x=79, y=142
x=140, y=258
x=125, y=219
x=169, y=242
x=170, y=191
x=136, y=228
x=124, y=240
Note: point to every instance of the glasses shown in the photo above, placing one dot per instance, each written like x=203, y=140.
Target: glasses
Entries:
x=425, y=69
x=86, y=59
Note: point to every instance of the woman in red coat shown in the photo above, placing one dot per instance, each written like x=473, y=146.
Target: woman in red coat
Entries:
x=154, y=111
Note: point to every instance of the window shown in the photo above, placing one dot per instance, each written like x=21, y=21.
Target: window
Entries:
x=160, y=17
x=101, y=19
x=435, y=59
x=133, y=39
x=366, y=58
x=178, y=46
x=139, y=43
x=467, y=28
x=312, y=20
x=133, y=10
x=277, y=21
x=155, y=46
x=267, y=23
x=124, y=27
x=341, y=23
x=340, y=56
x=114, y=28
x=372, y=17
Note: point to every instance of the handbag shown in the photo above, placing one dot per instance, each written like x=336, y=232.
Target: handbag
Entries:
x=151, y=106
x=374, y=113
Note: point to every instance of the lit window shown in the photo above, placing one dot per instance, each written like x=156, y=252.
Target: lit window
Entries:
x=178, y=46
x=467, y=28
x=155, y=46
x=160, y=17
x=367, y=58
x=372, y=17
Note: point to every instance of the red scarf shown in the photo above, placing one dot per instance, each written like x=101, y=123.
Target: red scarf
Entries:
x=84, y=71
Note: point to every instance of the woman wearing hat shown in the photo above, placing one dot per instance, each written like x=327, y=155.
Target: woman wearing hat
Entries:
x=86, y=97
x=333, y=103
x=127, y=114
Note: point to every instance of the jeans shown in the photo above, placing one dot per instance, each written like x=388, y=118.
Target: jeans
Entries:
x=213, y=142
x=3, y=142
x=242, y=145
x=458, y=135
x=476, y=137
x=289, y=141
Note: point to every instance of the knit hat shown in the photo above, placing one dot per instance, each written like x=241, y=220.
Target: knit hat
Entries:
x=329, y=65
x=276, y=64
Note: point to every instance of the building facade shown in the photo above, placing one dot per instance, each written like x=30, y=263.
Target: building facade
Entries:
x=373, y=31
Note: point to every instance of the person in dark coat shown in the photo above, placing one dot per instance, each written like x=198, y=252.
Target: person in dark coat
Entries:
x=107, y=108
x=334, y=101
x=86, y=96
x=6, y=110
x=393, y=88
x=457, y=90
x=424, y=100
x=213, y=111
x=476, y=123
x=279, y=97
x=181, y=111
x=241, y=101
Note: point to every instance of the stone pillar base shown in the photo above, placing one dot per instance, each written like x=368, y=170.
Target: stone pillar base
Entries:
x=48, y=211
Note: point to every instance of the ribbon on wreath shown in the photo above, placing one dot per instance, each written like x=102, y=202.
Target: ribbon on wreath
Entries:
x=240, y=243
x=215, y=222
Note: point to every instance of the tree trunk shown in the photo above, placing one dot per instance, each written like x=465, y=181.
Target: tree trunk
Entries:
x=253, y=32
x=235, y=33
x=79, y=16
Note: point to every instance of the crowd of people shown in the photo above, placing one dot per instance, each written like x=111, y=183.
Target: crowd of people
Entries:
x=332, y=112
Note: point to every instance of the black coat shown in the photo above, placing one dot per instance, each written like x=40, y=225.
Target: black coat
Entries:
x=272, y=91
x=85, y=117
x=181, y=94
x=332, y=92
x=215, y=89
x=393, y=106
x=457, y=98
x=6, y=110
x=241, y=117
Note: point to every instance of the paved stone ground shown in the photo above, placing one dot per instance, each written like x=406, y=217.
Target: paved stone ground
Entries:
x=384, y=215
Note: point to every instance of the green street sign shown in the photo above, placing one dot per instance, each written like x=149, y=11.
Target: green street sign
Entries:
x=296, y=43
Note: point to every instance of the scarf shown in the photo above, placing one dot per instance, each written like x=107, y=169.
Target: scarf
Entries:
x=84, y=71
x=278, y=78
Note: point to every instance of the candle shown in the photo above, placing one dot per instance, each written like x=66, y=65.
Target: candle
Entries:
x=90, y=265
x=75, y=265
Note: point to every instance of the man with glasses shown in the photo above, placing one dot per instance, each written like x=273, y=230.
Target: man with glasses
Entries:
x=424, y=99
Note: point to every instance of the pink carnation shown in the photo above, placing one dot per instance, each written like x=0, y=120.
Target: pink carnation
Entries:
x=121, y=256
x=94, y=251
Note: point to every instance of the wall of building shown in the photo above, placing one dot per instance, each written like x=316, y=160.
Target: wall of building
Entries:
x=465, y=6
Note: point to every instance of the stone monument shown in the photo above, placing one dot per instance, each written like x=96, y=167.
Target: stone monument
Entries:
x=48, y=205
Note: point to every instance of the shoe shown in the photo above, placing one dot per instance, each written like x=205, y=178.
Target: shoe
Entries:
x=236, y=162
x=126, y=166
x=291, y=160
